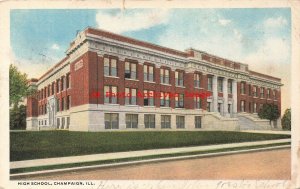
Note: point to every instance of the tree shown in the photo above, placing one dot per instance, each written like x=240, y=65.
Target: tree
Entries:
x=17, y=117
x=18, y=86
x=269, y=111
x=286, y=120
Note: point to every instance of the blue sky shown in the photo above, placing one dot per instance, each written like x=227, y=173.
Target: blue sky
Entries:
x=258, y=37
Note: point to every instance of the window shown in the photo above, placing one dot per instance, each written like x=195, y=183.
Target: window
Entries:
x=164, y=76
x=57, y=86
x=208, y=105
x=110, y=67
x=148, y=73
x=45, y=106
x=262, y=94
x=148, y=98
x=275, y=94
x=111, y=121
x=249, y=107
x=165, y=121
x=131, y=121
x=242, y=88
x=68, y=81
x=63, y=123
x=229, y=85
x=68, y=102
x=229, y=108
x=52, y=88
x=110, y=94
x=179, y=122
x=58, y=122
x=198, y=122
x=58, y=105
x=130, y=70
x=48, y=90
x=209, y=83
x=63, y=83
x=130, y=98
x=164, y=99
x=197, y=102
x=179, y=78
x=220, y=85
x=249, y=91
x=219, y=107
x=45, y=92
x=242, y=106
x=255, y=91
x=268, y=93
x=179, y=100
x=197, y=79
x=63, y=103
x=254, y=107
x=149, y=120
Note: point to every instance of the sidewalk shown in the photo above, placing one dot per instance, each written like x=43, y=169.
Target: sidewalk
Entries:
x=279, y=132
x=131, y=154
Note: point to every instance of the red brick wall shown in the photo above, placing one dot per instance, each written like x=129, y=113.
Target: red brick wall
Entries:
x=32, y=107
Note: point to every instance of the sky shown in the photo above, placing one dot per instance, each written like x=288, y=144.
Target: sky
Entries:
x=260, y=38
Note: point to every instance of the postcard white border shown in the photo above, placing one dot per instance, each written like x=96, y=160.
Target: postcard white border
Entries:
x=6, y=6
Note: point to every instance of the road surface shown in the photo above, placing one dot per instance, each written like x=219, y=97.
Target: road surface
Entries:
x=273, y=164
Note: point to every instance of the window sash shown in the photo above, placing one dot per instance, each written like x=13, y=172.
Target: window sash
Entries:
x=149, y=120
x=198, y=122
x=111, y=121
x=197, y=102
x=165, y=121
x=180, y=122
x=148, y=98
x=131, y=120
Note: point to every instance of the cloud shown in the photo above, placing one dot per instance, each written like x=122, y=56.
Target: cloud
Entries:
x=275, y=22
x=130, y=20
x=55, y=47
x=224, y=22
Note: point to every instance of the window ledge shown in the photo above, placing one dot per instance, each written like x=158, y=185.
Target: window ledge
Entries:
x=149, y=106
x=180, y=86
x=110, y=76
x=111, y=104
x=131, y=105
x=163, y=107
x=149, y=81
x=198, y=87
x=129, y=79
x=166, y=84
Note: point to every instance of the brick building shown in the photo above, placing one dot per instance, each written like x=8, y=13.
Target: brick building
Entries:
x=108, y=81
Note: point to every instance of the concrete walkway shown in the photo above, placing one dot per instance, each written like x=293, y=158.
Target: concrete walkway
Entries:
x=279, y=132
x=132, y=154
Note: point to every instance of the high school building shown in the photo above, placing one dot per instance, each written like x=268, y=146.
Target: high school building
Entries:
x=112, y=82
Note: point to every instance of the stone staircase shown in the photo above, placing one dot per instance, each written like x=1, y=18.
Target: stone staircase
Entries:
x=252, y=122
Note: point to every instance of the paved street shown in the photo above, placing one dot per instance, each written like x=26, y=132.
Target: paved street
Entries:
x=273, y=164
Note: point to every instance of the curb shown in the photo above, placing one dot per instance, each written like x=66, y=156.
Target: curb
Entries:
x=91, y=167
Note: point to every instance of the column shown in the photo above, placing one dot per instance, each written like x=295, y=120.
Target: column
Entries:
x=215, y=94
x=234, y=94
x=225, y=96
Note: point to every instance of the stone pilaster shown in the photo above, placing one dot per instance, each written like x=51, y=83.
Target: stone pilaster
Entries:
x=215, y=93
x=225, y=96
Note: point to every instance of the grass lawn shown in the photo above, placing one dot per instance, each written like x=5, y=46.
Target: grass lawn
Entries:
x=46, y=144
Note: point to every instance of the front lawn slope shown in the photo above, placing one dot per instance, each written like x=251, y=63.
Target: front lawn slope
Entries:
x=47, y=144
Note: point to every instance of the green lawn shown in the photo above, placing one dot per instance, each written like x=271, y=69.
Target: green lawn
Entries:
x=46, y=144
